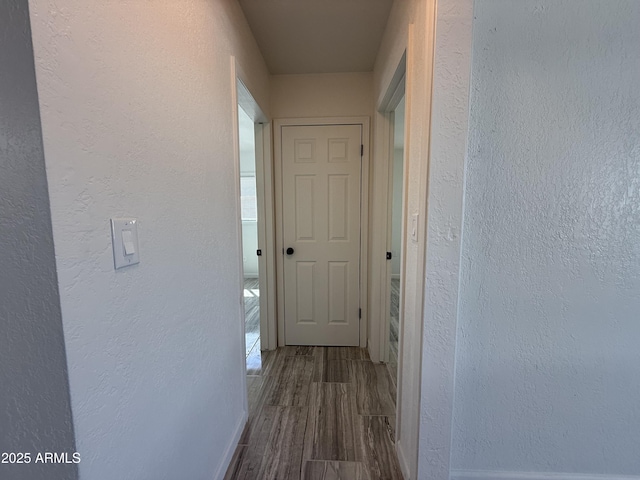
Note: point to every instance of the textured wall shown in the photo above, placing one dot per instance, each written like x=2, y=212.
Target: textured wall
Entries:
x=449, y=128
x=321, y=95
x=548, y=364
x=35, y=413
x=137, y=110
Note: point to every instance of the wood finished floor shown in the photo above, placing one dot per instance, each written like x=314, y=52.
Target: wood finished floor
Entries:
x=252, y=321
x=394, y=328
x=318, y=413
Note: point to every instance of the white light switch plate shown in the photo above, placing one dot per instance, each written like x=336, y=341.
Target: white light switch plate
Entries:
x=415, y=218
x=124, y=236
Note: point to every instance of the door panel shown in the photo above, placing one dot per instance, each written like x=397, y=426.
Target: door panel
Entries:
x=338, y=292
x=321, y=180
x=305, y=293
x=304, y=207
x=338, y=208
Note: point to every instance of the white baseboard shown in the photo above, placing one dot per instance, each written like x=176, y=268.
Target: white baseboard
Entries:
x=231, y=448
x=395, y=276
x=489, y=475
x=374, y=356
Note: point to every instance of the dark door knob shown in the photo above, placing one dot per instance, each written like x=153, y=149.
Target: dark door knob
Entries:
x=290, y=251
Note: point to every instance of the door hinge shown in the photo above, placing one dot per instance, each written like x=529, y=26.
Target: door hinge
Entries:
x=361, y=150
x=389, y=255
x=359, y=313
x=259, y=252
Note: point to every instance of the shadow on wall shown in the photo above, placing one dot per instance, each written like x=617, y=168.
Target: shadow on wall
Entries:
x=36, y=414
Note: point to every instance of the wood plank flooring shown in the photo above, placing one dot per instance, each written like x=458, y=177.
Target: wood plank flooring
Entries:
x=394, y=328
x=318, y=413
x=252, y=322
x=252, y=305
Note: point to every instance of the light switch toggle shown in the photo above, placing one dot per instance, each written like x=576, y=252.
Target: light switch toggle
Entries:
x=415, y=219
x=127, y=242
x=124, y=235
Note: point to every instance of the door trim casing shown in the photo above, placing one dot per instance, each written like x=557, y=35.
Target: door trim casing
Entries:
x=364, y=122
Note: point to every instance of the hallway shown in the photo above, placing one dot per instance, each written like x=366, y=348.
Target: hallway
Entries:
x=318, y=413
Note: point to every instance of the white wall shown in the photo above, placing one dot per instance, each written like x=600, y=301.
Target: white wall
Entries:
x=321, y=95
x=249, y=248
x=397, y=192
x=396, y=215
x=35, y=409
x=247, y=141
x=548, y=364
x=137, y=110
x=448, y=134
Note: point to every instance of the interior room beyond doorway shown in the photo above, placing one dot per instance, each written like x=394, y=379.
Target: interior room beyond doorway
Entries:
x=249, y=214
x=396, y=237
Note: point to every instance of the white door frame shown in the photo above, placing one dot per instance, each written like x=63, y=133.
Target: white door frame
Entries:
x=241, y=96
x=364, y=212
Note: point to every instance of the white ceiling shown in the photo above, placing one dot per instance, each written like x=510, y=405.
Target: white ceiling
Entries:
x=317, y=36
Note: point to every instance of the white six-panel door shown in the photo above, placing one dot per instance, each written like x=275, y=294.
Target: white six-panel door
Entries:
x=321, y=181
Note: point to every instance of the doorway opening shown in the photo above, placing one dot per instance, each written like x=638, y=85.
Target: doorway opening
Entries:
x=391, y=238
x=254, y=189
x=251, y=252
x=395, y=232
